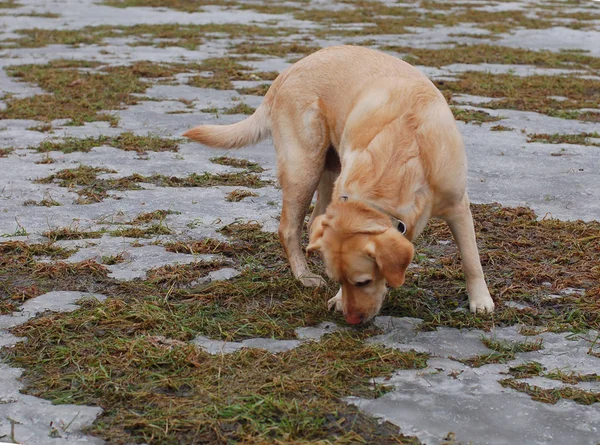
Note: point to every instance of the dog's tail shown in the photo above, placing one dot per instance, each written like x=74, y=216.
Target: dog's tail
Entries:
x=251, y=130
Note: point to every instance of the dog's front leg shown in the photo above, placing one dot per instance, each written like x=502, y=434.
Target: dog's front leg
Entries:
x=298, y=181
x=460, y=221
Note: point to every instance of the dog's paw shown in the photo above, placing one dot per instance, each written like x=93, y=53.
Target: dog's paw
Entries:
x=335, y=303
x=481, y=304
x=312, y=280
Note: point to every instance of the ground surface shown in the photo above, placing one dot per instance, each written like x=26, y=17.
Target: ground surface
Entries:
x=145, y=299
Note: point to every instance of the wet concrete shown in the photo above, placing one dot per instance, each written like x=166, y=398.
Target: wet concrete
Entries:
x=449, y=397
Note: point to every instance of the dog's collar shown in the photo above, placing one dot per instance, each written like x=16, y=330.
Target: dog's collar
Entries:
x=397, y=223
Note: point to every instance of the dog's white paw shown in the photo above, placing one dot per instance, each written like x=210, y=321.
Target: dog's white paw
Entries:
x=480, y=300
x=336, y=302
x=481, y=304
x=312, y=280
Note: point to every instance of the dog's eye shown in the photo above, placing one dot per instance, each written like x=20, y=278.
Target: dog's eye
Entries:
x=363, y=283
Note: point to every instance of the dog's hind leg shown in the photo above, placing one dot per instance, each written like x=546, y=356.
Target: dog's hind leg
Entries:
x=301, y=144
x=460, y=220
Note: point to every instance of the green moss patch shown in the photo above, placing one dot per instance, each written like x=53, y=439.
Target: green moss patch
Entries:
x=473, y=116
x=71, y=233
x=259, y=90
x=207, y=246
x=482, y=53
x=552, y=396
x=125, y=141
x=152, y=216
x=557, y=138
x=276, y=49
x=220, y=72
x=85, y=182
x=504, y=351
x=182, y=5
x=532, y=93
x=238, y=163
x=239, y=194
x=139, y=232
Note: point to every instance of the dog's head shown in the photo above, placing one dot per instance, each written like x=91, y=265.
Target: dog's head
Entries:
x=362, y=251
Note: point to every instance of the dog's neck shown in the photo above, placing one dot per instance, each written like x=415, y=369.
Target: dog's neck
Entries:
x=396, y=222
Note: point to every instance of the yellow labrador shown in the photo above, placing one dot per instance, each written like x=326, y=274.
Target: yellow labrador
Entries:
x=378, y=143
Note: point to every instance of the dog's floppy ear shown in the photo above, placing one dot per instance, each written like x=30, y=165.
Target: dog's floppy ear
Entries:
x=316, y=233
x=393, y=253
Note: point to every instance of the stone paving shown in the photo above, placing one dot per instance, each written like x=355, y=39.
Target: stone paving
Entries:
x=448, y=402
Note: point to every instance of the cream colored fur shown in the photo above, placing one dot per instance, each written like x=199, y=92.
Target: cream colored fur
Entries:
x=350, y=121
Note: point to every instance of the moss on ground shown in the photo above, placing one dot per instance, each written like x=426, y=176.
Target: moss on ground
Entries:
x=276, y=49
x=85, y=182
x=78, y=93
x=557, y=138
x=125, y=141
x=223, y=71
x=483, y=53
x=158, y=35
x=142, y=380
x=552, y=396
x=238, y=163
x=477, y=117
x=503, y=351
x=531, y=93
x=239, y=194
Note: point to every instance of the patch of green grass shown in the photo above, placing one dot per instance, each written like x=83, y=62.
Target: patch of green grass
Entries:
x=9, y=4
x=90, y=188
x=85, y=182
x=78, y=93
x=558, y=138
x=46, y=202
x=552, y=396
x=473, y=116
x=139, y=232
x=239, y=194
x=503, y=351
x=158, y=35
x=222, y=71
x=238, y=163
x=71, y=233
x=4, y=152
x=44, y=128
x=17, y=255
x=160, y=215
x=530, y=93
x=182, y=275
x=125, y=141
x=526, y=370
x=259, y=90
x=243, y=179
x=181, y=5
x=385, y=18
x=111, y=260
x=483, y=53
x=207, y=246
x=276, y=49
x=501, y=128
x=240, y=108
x=143, y=383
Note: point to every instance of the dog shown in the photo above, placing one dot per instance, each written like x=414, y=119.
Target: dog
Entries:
x=378, y=143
